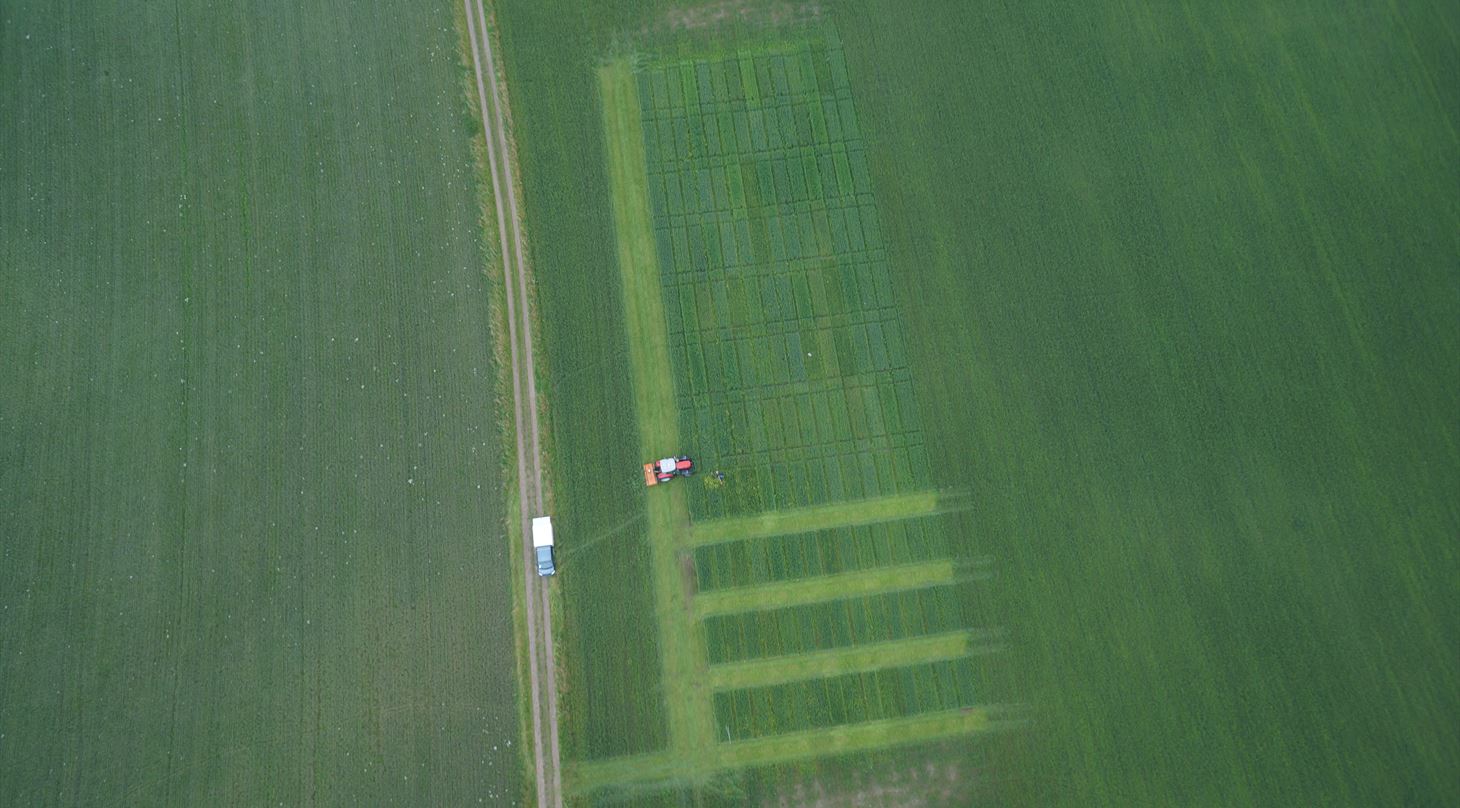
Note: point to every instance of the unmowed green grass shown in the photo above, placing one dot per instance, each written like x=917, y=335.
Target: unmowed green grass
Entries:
x=749, y=562
x=251, y=531
x=886, y=692
x=1179, y=302
x=832, y=624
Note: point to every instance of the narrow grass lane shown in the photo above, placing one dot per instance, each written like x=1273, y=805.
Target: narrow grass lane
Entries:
x=691, y=722
x=855, y=659
x=794, y=747
x=822, y=517
x=824, y=587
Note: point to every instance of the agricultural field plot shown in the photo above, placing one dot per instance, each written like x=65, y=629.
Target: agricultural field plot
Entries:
x=1173, y=288
x=252, y=542
x=786, y=340
x=749, y=264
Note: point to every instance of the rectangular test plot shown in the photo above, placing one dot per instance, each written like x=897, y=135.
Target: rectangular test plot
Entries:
x=777, y=175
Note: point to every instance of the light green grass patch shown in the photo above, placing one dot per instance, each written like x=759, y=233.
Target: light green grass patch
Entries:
x=820, y=517
x=793, y=747
x=825, y=587
x=853, y=659
x=690, y=712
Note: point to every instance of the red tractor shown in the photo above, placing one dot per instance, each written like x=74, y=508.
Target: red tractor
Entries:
x=662, y=471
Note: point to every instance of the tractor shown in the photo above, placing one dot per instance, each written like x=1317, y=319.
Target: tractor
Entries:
x=662, y=471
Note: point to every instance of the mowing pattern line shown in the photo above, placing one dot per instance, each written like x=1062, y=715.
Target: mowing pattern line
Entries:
x=823, y=588
x=793, y=747
x=816, y=517
x=854, y=659
x=689, y=710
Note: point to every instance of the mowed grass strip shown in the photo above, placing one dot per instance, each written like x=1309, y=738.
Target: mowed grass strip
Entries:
x=638, y=266
x=823, y=588
x=799, y=746
x=796, y=747
x=817, y=517
x=853, y=659
x=690, y=713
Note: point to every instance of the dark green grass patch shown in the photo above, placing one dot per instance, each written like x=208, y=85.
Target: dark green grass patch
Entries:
x=868, y=696
x=613, y=705
x=252, y=543
x=790, y=359
x=823, y=552
x=833, y=624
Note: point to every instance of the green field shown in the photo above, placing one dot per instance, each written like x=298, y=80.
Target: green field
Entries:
x=252, y=542
x=1131, y=329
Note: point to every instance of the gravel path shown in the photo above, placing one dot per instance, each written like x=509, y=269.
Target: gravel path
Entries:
x=546, y=759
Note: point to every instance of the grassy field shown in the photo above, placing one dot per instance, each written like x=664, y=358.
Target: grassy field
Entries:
x=1164, y=298
x=251, y=531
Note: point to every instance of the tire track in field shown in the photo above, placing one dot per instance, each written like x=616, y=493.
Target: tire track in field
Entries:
x=546, y=760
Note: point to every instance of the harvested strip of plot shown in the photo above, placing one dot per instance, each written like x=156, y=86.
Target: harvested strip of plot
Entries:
x=816, y=517
x=827, y=587
x=688, y=708
x=794, y=747
x=775, y=670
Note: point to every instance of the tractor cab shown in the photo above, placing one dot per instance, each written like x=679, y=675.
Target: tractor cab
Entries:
x=666, y=469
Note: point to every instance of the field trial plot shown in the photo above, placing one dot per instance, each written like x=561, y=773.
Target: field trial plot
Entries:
x=764, y=333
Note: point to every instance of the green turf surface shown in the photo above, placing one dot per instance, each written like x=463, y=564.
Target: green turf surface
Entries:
x=1177, y=299
x=789, y=364
x=251, y=529
x=818, y=588
x=832, y=624
x=746, y=563
x=884, y=692
x=866, y=656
